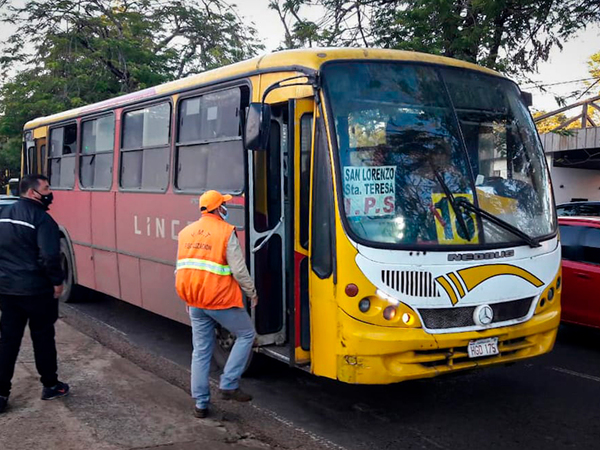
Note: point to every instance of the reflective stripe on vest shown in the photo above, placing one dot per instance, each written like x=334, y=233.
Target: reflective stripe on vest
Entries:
x=203, y=264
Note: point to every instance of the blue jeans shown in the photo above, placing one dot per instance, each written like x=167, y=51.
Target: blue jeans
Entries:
x=238, y=322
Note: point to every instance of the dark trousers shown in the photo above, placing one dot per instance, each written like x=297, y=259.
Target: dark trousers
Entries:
x=42, y=313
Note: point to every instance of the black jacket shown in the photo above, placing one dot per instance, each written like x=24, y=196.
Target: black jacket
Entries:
x=29, y=250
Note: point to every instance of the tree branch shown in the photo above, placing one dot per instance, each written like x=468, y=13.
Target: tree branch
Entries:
x=288, y=35
x=360, y=26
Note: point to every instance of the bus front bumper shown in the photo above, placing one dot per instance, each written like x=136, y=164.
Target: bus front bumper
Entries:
x=380, y=355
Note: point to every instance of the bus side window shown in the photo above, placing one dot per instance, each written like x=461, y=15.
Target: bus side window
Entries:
x=209, y=151
x=61, y=159
x=267, y=181
x=43, y=169
x=323, y=227
x=145, y=149
x=31, y=160
x=306, y=123
x=96, y=159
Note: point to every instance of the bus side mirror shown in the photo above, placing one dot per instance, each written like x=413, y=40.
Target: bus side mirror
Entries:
x=527, y=98
x=258, y=126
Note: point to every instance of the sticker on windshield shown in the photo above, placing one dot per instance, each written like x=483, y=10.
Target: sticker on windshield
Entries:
x=449, y=230
x=369, y=191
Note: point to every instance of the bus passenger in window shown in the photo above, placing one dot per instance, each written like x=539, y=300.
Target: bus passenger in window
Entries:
x=211, y=274
x=31, y=280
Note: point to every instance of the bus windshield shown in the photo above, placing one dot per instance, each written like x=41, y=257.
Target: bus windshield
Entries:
x=411, y=135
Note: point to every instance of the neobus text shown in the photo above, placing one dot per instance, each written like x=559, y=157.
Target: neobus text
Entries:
x=480, y=256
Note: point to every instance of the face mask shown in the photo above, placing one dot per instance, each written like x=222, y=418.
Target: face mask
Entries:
x=223, y=212
x=46, y=199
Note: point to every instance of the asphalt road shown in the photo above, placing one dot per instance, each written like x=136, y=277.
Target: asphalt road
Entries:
x=552, y=402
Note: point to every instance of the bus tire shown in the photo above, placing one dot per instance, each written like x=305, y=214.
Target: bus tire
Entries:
x=70, y=289
x=224, y=341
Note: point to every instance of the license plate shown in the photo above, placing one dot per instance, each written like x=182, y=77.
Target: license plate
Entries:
x=483, y=347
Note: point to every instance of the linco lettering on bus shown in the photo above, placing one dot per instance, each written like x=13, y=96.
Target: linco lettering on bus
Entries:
x=480, y=256
x=156, y=227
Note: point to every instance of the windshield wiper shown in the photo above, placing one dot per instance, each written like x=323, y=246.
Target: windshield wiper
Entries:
x=452, y=201
x=462, y=202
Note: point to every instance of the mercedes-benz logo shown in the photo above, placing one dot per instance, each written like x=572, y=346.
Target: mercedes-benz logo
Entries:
x=483, y=315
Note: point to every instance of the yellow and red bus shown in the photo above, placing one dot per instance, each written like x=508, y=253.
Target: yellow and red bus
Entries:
x=395, y=207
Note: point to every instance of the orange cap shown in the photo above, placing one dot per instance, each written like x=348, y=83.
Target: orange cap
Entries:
x=211, y=200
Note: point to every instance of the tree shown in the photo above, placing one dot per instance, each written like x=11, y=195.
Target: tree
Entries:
x=512, y=36
x=138, y=42
x=594, y=66
x=552, y=123
x=594, y=69
x=10, y=161
x=343, y=23
x=593, y=87
x=74, y=52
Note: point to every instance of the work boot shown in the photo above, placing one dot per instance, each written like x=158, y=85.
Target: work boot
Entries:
x=200, y=413
x=235, y=394
x=3, y=403
x=60, y=390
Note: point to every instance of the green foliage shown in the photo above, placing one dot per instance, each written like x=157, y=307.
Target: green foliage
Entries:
x=512, y=36
x=68, y=53
x=10, y=160
x=594, y=65
x=552, y=124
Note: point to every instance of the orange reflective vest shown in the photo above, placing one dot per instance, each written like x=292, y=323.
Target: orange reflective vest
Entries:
x=204, y=278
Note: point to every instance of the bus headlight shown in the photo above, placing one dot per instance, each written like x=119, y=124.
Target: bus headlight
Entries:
x=364, y=305
x=408, y=319
x=384, y=310
x=389, y=313
x=551, y=295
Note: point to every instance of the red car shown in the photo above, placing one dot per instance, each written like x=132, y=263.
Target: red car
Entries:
x=580, y=239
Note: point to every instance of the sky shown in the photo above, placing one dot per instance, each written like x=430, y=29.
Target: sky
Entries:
x=566, y=65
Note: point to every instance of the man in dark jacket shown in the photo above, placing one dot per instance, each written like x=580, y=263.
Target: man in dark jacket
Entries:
x=30, y=284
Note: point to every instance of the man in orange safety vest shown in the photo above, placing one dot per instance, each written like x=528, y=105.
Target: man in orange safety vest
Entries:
x=211, y=274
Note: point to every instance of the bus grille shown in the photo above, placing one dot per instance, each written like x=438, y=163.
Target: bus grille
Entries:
x=410, y=282
x=443, y=318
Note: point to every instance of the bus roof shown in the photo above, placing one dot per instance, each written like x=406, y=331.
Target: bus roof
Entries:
x=287, y=60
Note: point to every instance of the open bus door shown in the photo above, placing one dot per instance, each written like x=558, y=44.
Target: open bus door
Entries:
x=267, y=234
x=278, y=232
x=34, y=154
x=29, y=154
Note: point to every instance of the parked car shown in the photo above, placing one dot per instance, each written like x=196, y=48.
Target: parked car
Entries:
x=584, y=209
x=580, y=240
x=6, y=200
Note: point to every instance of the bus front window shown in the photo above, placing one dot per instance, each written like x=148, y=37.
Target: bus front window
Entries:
x=409, y=135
